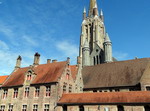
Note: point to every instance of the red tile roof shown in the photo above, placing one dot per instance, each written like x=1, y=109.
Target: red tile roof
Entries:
x=3, y=78
x=121, y=73
x=74, y=71
x=16, y=78
x=45, y=73
x=106, y=98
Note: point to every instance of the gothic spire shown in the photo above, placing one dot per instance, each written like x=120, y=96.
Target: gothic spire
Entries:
x=101, y=12
x=86, y=43
x=84, y=13
x=107, y=39
x=93, y=3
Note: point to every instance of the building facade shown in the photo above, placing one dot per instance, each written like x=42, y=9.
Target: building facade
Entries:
x=37, y=87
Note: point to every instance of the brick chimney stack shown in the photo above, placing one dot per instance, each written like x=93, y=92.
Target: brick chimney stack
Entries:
x=48, y=61
x=36, y=58
x=18, y=62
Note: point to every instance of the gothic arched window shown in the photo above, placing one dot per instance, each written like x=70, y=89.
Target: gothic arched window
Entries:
x=94, y=60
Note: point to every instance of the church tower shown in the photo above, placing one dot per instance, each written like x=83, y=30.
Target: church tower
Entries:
x=93, y=33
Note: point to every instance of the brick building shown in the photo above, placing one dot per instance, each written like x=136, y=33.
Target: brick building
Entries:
x=37, y=87
x=97, y=83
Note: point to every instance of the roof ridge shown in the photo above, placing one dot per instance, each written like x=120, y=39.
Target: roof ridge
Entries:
x=105, y=92
x=122, y=61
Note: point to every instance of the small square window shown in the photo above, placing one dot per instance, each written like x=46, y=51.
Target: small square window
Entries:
x=2, y=108
x=24, y=108
x=35, y=107
x=64, y=88
x=10, y=108
x=46, y=107
x=70, y=88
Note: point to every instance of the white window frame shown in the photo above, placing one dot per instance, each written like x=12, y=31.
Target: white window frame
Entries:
x=46, y=107
x=24, y=107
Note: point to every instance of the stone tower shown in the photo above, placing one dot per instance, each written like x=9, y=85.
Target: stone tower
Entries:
x=108, y=49
x=86, y=54
x=93, y=33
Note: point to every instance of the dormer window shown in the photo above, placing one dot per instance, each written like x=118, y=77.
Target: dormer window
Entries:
x=29, y=76
x=67, y=76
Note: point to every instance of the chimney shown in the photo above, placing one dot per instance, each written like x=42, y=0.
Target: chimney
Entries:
x=48, y=61
x=68, y=60
x=18, y=62
x=53, y=61
x=36, y=58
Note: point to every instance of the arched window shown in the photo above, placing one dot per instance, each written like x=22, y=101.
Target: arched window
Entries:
x=120, y=108
x=81, y=108
x=97, y=59
x=147, y=108
x=94, y=60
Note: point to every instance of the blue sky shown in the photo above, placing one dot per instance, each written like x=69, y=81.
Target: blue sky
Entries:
x=52, y=28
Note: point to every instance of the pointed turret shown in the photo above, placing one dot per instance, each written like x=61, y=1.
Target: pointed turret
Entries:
x=86, y=44
x=107, y=39
x=108, y=49
x=101, y=15
x=18, y=62
x=84, y=13
x=95, y=10
x=86, y=54
x=93, y=3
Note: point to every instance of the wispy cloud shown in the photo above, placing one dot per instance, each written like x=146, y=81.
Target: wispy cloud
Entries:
x=120, y=55
x=3, y=45
x=29, y=40
x=68, y=49
x=6, y=30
